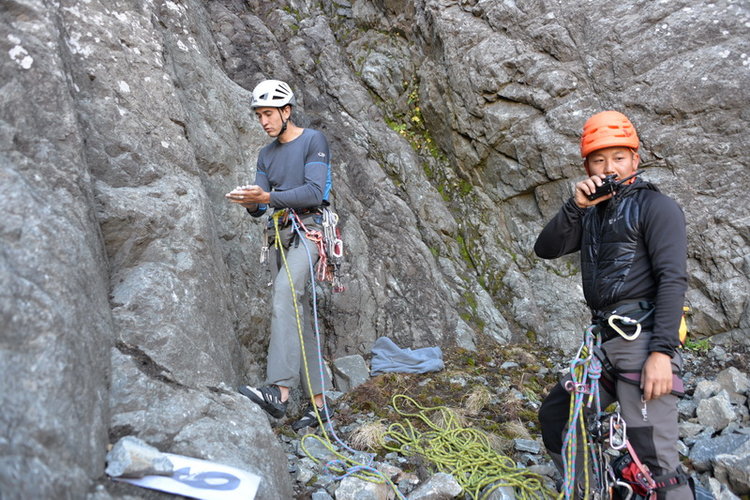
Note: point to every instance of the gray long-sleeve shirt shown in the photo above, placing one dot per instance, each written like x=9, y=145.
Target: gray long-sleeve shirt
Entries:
x=296, y=173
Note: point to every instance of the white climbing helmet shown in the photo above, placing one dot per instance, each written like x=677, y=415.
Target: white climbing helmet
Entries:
x=273, y=94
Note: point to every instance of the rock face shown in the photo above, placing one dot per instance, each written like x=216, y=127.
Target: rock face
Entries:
x=132, y=301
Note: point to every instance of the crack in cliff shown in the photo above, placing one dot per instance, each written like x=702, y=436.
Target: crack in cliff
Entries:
x=147, y=365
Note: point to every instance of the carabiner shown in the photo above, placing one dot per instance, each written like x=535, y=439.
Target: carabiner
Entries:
x=626, y=486
x=627, y=321
x=615, y=428
x=337, y=250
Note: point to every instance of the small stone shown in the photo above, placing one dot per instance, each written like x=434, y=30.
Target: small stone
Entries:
x=529, y=445
x=716, y=411
x=706, y=389
x=132, y=457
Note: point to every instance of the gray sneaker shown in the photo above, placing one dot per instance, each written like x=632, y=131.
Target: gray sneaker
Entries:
x=308, y=419
x=268, y=398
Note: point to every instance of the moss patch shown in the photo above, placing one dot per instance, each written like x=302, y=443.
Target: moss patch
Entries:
x=513, y=398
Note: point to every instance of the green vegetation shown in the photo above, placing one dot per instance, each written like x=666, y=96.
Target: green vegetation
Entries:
x=698, y=345
x=471, y=300
x=463, y=249
x=410, y=124
x=472, y=386
x=294, y=12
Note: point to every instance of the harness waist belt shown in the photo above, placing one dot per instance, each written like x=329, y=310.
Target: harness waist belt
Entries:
x=305, y=211
x=640, y=311
x=285, y=220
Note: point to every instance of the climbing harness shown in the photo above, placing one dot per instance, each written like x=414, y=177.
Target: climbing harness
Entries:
x=342, y=466
x=465, y=453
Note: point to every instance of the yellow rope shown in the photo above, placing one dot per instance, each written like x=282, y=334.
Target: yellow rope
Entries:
x=280, y=248
x=463, y=452
x=360, y=470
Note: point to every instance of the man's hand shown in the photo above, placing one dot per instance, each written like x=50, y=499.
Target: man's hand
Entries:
x=587, y=187
x=656, y=376
x=249, y=196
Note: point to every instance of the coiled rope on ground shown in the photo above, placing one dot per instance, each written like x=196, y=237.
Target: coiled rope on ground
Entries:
x=463, y=452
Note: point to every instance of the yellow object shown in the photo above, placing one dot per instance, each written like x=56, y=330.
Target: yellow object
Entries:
x=342, y=464
x=683, y=325
x=464, y=452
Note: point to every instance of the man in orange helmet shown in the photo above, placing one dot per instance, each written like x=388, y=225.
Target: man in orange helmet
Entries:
x=633, y=247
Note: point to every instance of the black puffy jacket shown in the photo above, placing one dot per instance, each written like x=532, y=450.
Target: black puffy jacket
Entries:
x=633, y=247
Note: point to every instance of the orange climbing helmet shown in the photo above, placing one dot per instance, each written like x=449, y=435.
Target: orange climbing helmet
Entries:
x=608, y=129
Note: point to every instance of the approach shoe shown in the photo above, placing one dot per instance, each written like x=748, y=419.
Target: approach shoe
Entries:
x=308, y=419
x=268, y=398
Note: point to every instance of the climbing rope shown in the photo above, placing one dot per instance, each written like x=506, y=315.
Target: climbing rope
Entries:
x=585, y=372
x=463, y=452
x=342, y=466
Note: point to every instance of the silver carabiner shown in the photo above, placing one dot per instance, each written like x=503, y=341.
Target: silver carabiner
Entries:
x=625, y=485
x=337, y=251
x=617, y=427
x=627, y=321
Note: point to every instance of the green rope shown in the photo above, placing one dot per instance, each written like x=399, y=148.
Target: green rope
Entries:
x=462, y=452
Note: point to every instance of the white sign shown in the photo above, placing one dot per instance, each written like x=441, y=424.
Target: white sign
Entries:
x=201, y=479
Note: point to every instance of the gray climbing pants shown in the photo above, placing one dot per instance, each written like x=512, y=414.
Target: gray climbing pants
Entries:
x=653, y=435
x=285, y=363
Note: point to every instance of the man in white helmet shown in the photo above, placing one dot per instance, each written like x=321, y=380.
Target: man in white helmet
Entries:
x=293, y=174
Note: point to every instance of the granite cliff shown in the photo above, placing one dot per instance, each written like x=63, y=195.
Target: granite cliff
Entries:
x=131, y=298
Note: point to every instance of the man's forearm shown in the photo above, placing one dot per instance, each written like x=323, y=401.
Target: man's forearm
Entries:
x=562, y=234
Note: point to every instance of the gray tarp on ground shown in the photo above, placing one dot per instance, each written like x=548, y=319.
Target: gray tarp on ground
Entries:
x=388, y=357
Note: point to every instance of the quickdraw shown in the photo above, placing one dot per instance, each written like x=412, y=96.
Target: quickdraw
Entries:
x=334, y=247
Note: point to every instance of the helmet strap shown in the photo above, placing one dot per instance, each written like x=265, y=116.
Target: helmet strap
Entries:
x=283, y=123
